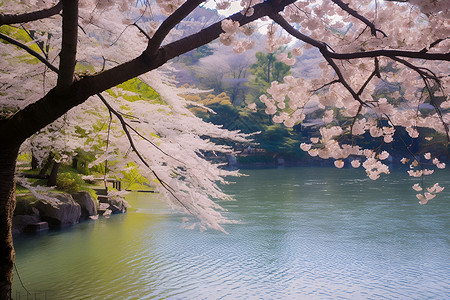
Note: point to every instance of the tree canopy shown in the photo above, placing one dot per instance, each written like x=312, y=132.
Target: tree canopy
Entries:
x=58, y=54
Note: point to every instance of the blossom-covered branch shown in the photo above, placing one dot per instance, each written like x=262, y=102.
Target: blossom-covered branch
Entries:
x=324, y=49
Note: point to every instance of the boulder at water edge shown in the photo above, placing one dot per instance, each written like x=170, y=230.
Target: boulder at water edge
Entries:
x=116, y=205
x=87, y=203
x=20, y=222
x=58, y=209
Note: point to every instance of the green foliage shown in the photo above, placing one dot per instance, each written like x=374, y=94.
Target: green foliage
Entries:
x=143, y=91
x=265, y=70
x=24, y=37
x=132, y=179
x=20, y=189
x=192, y=57
x=83, y=159
x=274, y=139
x=70, y=182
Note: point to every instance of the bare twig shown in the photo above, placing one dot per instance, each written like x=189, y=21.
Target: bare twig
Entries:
x=29, y=50
x=354, y=13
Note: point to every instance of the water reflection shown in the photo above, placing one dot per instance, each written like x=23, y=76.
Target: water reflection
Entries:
x=304, y=233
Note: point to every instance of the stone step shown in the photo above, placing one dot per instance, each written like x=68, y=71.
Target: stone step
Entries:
x=36, y=227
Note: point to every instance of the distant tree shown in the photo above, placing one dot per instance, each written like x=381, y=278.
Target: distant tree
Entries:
x=264, y=71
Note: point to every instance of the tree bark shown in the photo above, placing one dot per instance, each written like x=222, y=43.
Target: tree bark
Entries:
x=53, y=175
x=67, y=57
x=34, y=162
x=47, y=165
x=8, y=158
x=32, y=16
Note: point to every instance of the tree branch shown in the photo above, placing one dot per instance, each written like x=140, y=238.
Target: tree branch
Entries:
x=29, y=50
x=53, y=105
x=354, y=13
x=32, y=16
x=425, y=76
x=168, y=24
x=363, y=54
x=68, y=53
x=141, y=158
x=212, y=32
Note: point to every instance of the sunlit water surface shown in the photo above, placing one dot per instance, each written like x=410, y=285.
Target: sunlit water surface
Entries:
x=304, y=233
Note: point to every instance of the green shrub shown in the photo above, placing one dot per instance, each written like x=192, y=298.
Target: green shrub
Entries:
x=69, y=182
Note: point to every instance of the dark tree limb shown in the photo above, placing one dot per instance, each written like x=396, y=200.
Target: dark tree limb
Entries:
x=433, y=44
x=425, y=77
x=29, y=50
x=136, y=151
x=352, y=55
x=212, y=32
x=32, y=16
x=53, y=105
x=168, y=24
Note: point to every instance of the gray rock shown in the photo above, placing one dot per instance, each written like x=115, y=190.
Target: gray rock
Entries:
x=118, y=205
x=20, y=222
x=59, y=209
x=87, y=203
x=36, y=227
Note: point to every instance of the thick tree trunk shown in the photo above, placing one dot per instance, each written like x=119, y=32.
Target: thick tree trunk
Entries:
x=53, y=175
x=8, y=157
x=34, y=162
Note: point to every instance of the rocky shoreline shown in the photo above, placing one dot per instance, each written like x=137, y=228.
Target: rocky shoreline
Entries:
x=58, y=210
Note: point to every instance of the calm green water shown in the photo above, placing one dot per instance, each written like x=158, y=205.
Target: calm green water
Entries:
x=305, y=233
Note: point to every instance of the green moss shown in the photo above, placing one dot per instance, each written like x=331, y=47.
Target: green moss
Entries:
x=144, y=92
x=21, y=190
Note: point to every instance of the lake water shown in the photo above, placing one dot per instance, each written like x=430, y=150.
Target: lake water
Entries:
x=304, y=233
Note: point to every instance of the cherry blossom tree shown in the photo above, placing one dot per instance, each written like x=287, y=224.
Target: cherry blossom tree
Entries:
x=363, y=44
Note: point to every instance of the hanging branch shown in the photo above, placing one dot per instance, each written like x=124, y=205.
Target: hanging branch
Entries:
x=425, y=76
x=166, y=186
x=106, y=150
x=29, y=50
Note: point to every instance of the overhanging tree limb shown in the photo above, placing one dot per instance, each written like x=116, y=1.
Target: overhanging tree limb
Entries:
x=29, y=50
x=32, y=16
x=352, y=55
x=168, y=24
x=53, y=105
x=139, y=155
